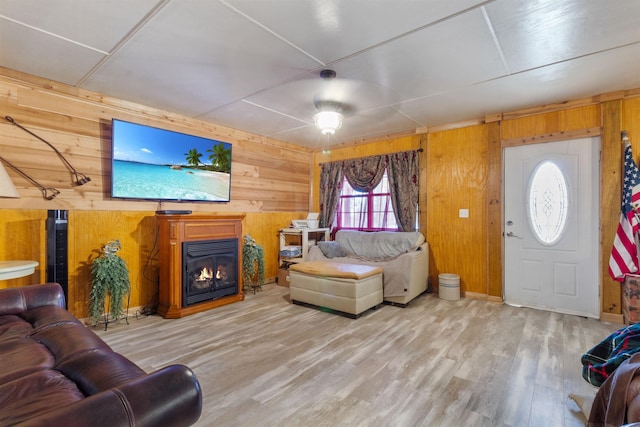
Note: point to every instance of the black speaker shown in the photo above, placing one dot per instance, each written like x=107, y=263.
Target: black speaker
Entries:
x=58, y=250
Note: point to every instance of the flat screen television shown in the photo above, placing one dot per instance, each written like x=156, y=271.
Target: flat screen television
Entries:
x=149, y=163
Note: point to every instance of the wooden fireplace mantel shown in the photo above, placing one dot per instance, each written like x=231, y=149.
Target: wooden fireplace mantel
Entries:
x=173, y=231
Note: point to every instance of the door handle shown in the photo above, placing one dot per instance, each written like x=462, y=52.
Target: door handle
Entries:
x=511, y=234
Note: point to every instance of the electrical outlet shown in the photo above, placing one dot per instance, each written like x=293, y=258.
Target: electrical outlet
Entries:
x=464, y=213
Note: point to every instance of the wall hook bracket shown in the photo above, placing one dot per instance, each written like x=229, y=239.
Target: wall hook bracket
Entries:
x=80, y=178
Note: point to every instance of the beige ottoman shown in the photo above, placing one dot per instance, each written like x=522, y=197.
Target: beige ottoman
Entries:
x=349, y=289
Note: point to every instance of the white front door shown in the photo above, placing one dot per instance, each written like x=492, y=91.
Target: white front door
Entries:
x=551, y=247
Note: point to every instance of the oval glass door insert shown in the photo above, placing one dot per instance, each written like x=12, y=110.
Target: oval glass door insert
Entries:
x=548, y=203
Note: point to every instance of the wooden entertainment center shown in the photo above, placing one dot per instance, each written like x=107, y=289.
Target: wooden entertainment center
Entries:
x=174, y=230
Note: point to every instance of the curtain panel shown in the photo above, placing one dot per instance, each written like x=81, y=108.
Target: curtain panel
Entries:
x=402, y=172
x=364, y=174
x=331, y=177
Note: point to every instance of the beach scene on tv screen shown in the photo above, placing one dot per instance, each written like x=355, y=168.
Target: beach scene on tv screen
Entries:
x=152, y=163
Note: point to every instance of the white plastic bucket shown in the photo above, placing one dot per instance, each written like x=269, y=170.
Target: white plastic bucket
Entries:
x=449, y=286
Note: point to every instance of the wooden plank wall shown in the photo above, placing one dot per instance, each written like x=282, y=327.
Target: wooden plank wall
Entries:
x=270, y=183
x=267, y=175
x=457, y=177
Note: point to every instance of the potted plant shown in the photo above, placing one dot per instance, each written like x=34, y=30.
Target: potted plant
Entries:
x=110, y=281
x=252, y=263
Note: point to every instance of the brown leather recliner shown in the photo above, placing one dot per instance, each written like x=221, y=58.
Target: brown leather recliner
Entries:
x=617, y=402
x=56, y=371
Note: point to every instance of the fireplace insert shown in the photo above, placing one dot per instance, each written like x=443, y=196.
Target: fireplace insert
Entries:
x=210, y=270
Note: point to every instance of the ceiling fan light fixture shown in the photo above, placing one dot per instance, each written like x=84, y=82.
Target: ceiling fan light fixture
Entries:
x=328, y=121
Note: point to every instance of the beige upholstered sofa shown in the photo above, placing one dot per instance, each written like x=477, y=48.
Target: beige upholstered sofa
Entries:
x=403, y=256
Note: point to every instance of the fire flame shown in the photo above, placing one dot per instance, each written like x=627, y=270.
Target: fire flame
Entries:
x=205, y=274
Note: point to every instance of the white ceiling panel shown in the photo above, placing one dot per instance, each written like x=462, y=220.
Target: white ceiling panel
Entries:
x=381, y=121
x=452, y=53
x=401, y=64
x=99, y=24
x=537, y=33
x=555, y=84
x=197, y=56
x=247, y=116
x=333, y=29
x=29, y=51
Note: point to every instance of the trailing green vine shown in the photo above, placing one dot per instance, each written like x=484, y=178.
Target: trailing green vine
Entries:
x=110, y=279
x=252, y=262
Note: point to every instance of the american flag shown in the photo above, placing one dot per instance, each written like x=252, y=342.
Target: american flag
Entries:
x=624, y=254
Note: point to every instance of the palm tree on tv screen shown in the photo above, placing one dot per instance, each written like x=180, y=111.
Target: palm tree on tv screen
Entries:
x=220, y=158
x=193, y=157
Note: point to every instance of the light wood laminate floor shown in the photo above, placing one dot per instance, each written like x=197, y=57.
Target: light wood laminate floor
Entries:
x=266, y=362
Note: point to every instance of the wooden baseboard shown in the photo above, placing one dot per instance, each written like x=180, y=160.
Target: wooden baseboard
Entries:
x=492, y=298
x=611, y=318
x=482, y=297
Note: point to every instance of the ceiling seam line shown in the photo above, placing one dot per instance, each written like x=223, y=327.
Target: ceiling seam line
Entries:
x=494, y=36
x=57, y=36
x=273, y=111
x=407, y=33
x=402, y=113
x=273, y=33
x=573, y=58
x=123, y=41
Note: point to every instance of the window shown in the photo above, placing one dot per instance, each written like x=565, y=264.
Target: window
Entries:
x=548, y=203
x=370, y=211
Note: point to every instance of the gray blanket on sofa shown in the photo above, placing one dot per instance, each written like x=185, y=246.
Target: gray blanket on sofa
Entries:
x=391, y=251
x=379, y=245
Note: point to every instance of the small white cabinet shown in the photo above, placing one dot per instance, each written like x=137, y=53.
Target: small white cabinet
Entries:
x=303, y=237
